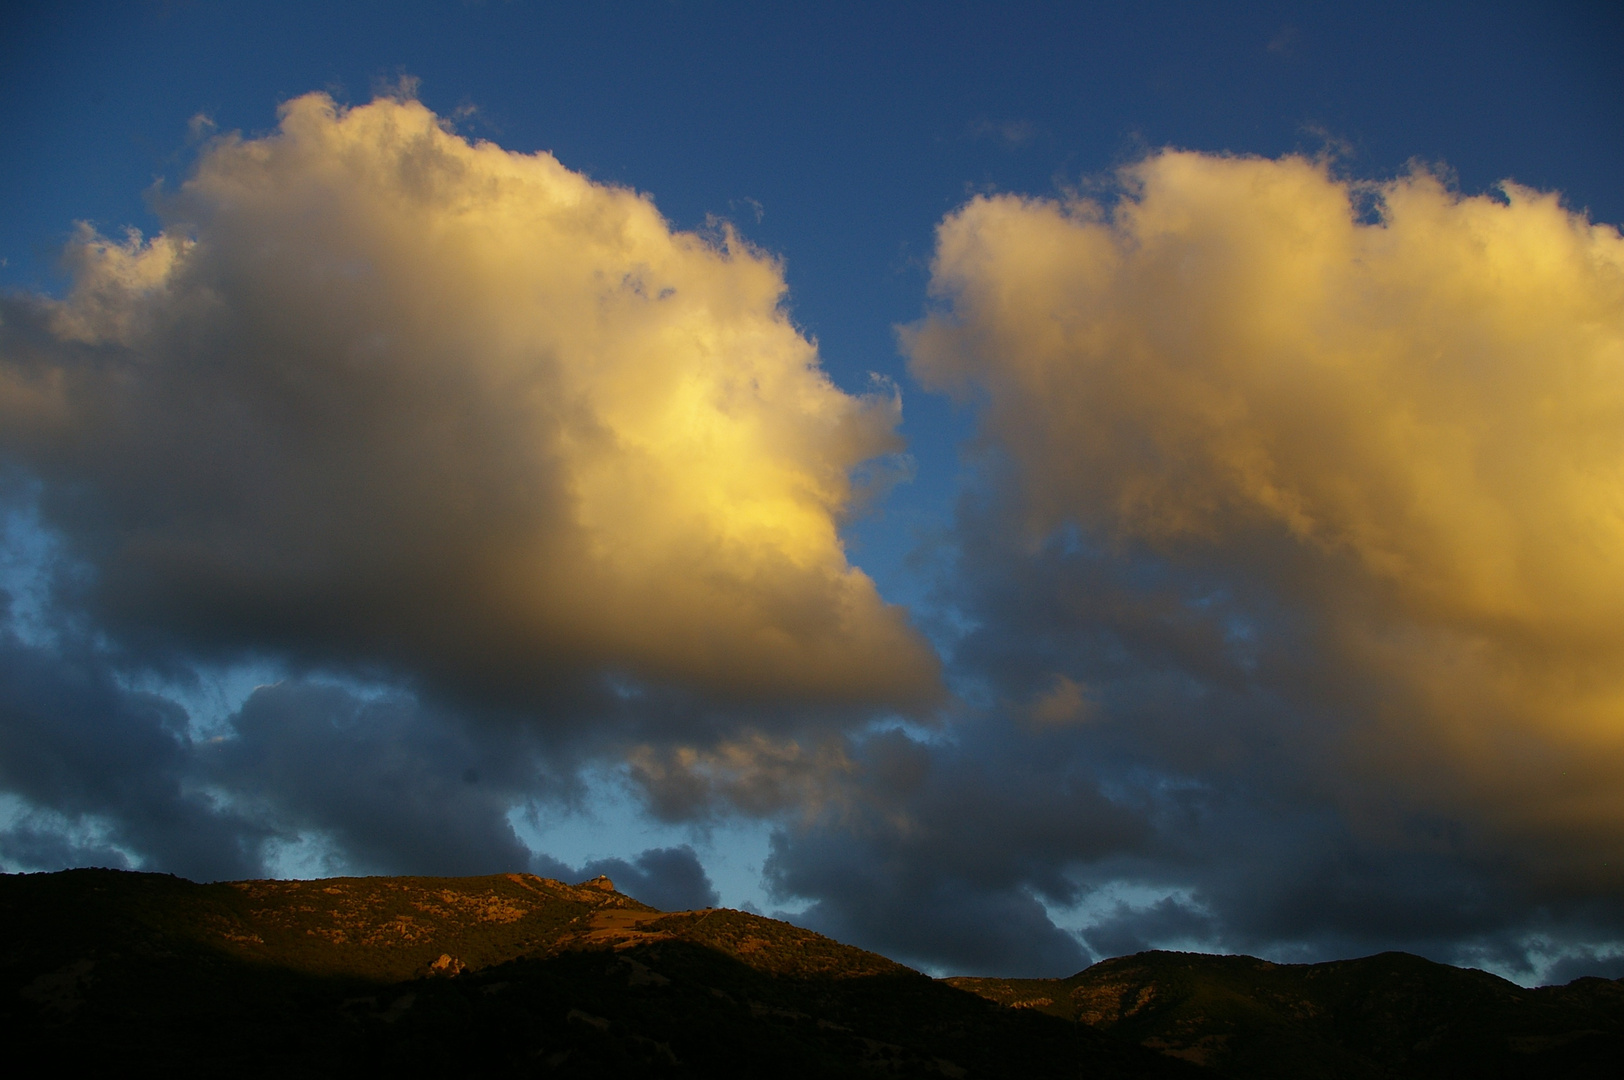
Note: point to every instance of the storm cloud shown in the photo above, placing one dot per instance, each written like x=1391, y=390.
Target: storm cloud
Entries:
x=671, y=879
x=103, y=773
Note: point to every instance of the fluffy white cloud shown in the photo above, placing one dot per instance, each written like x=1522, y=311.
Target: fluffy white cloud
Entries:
x=1385, y=415
x=379, y=394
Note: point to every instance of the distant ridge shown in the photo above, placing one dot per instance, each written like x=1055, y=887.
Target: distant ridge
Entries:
x=1390, y=1015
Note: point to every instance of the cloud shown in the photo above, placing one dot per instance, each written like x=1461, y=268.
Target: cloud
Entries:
x=104, y=773
x=948, y=854
x=936, y=921
x=1013, y=134
x=98, y=773
x=496, y=470
x=1380, y=424
x=387, y=785
x=307, y=778
x=1129, y=930
x=1284, y=43
x=1585, y=962
x=1284, y=600
x=670, y=879
x=750, y=773
x=383, y=399
x=1067, y=703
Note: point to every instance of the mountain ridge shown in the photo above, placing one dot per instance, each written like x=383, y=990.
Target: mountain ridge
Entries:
x=512, y=974
x=502, y=975
x=1390, y=1014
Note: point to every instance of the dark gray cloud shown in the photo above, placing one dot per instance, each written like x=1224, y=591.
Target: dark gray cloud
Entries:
x=112, y=776
x=670, y=879
x=1154, y=754
x=909, y=909
x=390, y=785
x=45, y=841
x=943, y=853
x=359, y=779
x=1127, y=929
x=1585, y=962
x=106, y=771
x=366, y=780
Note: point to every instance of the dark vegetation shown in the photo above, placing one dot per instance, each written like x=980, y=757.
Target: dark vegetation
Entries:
x=1392, y=1015
x=515, y=974
x=502, y=975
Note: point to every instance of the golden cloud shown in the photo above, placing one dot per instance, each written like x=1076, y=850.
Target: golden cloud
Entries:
x=1395, y=408
x=378, y=392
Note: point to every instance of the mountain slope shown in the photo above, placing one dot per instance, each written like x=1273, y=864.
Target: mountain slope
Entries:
x=516, y=974
x=502, y=975
x=1391, y=1015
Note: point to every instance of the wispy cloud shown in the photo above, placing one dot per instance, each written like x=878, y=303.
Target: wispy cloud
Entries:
x=1012, y=134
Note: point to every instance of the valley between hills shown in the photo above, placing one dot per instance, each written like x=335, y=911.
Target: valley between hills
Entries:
x=520, y=975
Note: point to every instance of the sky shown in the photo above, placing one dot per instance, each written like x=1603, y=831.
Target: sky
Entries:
x=1002, y=485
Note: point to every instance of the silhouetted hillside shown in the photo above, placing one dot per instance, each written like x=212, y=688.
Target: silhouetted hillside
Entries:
x=1392, y=1015
x=515, y=974
x=502, y=975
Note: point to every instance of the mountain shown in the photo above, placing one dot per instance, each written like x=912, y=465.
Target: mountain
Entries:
x=502, y=975
x=1389, y=1016
x=520, y=975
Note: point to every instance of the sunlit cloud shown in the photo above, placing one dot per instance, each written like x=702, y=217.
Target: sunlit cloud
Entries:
x=378, y=395
x=1283, y=595
x=1382, y=421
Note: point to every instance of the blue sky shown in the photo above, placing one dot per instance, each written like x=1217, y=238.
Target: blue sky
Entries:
x=1132, y=687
